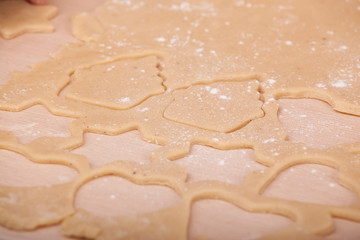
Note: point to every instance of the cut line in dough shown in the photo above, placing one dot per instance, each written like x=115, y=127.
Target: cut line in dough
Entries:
x=111, y=85
x=274, y=52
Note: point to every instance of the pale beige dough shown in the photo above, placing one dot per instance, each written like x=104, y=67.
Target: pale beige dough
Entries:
x=297, y=53
x=118, y=85
x=222, y=107
x=18, y=17
x=186, y=49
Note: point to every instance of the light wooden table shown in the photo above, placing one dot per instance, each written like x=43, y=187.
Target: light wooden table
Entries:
x=310, y=121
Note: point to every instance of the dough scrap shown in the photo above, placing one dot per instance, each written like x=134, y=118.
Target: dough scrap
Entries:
x=28, y=208
x=187, y=39
x=110, y=85
x=18, y=17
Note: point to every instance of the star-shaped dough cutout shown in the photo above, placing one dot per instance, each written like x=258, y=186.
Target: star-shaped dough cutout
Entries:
x=18, y=17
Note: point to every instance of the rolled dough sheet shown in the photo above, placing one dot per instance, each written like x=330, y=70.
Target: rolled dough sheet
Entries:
x=215, y=71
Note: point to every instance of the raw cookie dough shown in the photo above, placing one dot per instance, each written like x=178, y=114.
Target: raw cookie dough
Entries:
x=218, y=106
x=111, y=85
x=296, y=52
x=19, y=16
x=197, y=46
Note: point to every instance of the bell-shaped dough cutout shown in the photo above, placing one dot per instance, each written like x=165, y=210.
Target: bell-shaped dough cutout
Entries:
x=310, y=183
x=115, y=196
x=345, y=230
x=103, y=149
x=220, y=106
x=117, y=85
x=316, y=124
x=231, y=166
x=33, y=123
x=214, y=219
x=17, y=171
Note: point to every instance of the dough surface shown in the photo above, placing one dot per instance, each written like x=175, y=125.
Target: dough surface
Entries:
x=222, y=107
x=206, y=73
x=119, y=85
x=18, y=17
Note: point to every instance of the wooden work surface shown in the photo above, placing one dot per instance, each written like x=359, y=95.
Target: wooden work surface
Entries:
x=306, y=120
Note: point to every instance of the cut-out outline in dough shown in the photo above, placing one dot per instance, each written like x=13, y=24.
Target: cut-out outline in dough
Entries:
x=281, y=167
x=270, y=150
x=318, y=94
x=269, y=105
